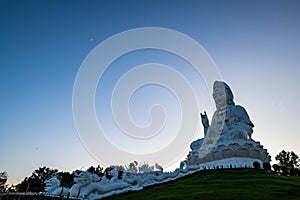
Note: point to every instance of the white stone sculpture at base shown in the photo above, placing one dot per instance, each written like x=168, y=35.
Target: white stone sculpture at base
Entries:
x=53, y=187
x=89, y=186
x=82, y=182
x=159, y=167
x=88, y=183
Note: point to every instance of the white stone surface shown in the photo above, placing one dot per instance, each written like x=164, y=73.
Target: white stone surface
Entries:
x=230, y=133
x=53, y=187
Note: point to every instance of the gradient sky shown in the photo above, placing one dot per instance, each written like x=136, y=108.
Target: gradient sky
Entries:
x=255, y=45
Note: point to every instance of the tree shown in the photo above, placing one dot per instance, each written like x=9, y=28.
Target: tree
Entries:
x=276, y=167
x=22, y=187
x=145, y=168
x=36, y=182
x=98, y=170
x=12, y=188
x=3, y=179
x=267, y=166
x=132, y=167
x=288, y=161
x=66, y=179
x=298, y=172
x=293, y=172
x=44, y=173
x=284, y=170
x=30, y=185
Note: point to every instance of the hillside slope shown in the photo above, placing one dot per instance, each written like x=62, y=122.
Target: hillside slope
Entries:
x=223, y=184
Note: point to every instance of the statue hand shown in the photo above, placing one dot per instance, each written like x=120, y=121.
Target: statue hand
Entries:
x=204, y=120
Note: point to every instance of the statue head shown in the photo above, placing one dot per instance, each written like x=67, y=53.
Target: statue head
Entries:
x=83, y=178
x=114, y=172
x=222, y=95
x=52, y=183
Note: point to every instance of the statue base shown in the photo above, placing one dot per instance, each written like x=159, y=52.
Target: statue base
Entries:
x=227, y=163
x=233, y=151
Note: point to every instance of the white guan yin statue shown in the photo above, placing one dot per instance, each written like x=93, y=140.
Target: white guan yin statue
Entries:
x=228, y=139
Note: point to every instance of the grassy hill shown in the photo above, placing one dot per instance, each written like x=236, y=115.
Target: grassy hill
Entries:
x=223, y=184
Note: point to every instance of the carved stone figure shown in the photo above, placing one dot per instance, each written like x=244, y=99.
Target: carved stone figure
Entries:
x=53, y=187
x=230, y=128
x=88, y=183
x=230, y=121
x=82, y=181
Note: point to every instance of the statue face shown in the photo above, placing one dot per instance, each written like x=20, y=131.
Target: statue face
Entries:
x=83, y=178
x=53, y=182
x=220, y=98
x=113, y=172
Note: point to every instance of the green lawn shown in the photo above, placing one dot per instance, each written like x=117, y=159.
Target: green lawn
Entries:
x=223, y=184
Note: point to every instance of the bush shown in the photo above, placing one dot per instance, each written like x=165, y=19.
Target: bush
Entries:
x=298, y=172
x=293, y=172
x=256, y=165
x=267, y=166
x=285, y=171
x=276, y=167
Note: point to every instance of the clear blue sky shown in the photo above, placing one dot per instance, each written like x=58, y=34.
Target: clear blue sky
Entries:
x=255, y=45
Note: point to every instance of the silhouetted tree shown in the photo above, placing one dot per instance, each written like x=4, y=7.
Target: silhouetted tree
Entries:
x=288, y=162
x=293, y=172
x=11, y=188
x=66, y=179
x=276, y=168
x=36, y=182
x=132, y=167
x=21, y=187
x=44, y=173
x=288, y=159
x=267, y=166
x=145, y=168
x=298, y=172
x=3, y=179
x=35, y=185
x=30, y=185
x=284, y=170
x=98, y=170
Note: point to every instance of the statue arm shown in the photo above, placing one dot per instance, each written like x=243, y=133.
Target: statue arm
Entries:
x=205, y=122
x=242, y=115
